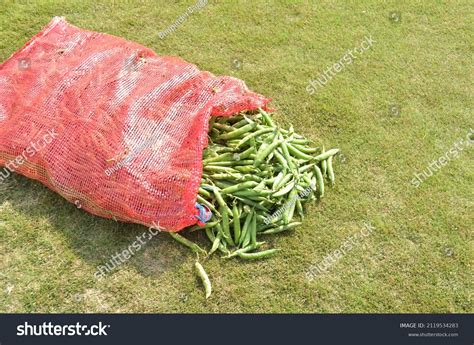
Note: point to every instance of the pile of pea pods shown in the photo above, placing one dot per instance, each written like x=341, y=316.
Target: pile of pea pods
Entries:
x=256, y=177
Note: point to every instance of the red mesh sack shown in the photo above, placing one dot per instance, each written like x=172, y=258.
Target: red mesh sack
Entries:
x=110, y=125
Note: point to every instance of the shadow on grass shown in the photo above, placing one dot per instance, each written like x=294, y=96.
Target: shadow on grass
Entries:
x=96, y=240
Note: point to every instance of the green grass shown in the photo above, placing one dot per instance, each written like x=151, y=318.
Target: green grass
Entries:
x=420, y=257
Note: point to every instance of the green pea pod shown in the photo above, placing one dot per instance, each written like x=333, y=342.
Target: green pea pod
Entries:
x=288, y=214
x=283, y=182
x=260, y=218
x=206, y=186
x=241, y=123
x=245, y=228
x=248, y=119
x=262, y=155
x=326, y=155
x=266, y=117
x=246, y=241
x=223, y=247
x=268, y=139
x=220, y=158
x=215, y=244
x=258, y=255
x=209, y=153
x=204, y=192
x=281, y=228
x=319, y=180
x=237, y=132
x=261, y=185
x=306, y=167
x=269, y=157
x=213, y=168
x=298, y=154
x=224, y=127
x=277, y=180
x=220, y=200
x=269, y=181
x=324, y=164
x=309, y=181
x=229, y=177
x=235, y=215
x=281, y=159
x=331, y=171
x=223, y=184
x=305, y=149
x=223, y=149
x=230, y=163
x=240, y=207
x=289, y=159
x=253, y=192
x=240, y=186
x=248, y=234
x=225, y=226
x=254, y=135
x=300, y=188
x=256, y=199
x=246, y=153
x=214, y=132
x=246, y=169
x=210, y=234
x=232, y=143
x=238, y=251
x=252, y=203
x=208, y=225
x=269, y=226
x=255, y=178
x=285, y=189
x=244, y=250
x=187, y=243
x=262, y=147
x=205, y=279
x=299, y=208
x=253, y=234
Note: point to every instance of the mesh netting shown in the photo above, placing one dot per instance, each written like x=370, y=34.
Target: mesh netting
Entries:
x=110, y=125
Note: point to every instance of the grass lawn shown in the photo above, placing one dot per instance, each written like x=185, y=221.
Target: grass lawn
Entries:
x=400, y=105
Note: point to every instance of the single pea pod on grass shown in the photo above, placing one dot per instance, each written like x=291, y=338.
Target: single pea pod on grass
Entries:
x=205, y=278
x=256, y=179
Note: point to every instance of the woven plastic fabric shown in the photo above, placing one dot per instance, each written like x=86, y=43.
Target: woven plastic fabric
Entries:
x=111, y=126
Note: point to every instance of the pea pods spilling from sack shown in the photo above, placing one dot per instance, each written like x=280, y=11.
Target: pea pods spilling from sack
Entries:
x=257, y=177
x=129, y=150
